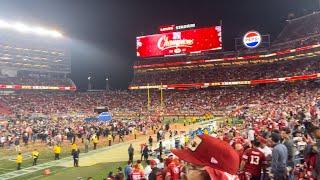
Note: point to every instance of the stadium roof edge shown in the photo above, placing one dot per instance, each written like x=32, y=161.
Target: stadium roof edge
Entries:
x=304, y=16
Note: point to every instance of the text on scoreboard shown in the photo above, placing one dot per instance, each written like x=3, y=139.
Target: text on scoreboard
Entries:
x=188, y=41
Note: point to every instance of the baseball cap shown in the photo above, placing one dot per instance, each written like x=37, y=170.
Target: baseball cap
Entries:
x=153, y=162
x=211, y=152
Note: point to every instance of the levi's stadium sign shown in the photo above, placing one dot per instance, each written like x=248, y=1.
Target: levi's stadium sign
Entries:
x=187, y=41
x=171, y=28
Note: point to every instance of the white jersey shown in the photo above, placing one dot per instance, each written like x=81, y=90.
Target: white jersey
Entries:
x=266, y=151
x=251, y=135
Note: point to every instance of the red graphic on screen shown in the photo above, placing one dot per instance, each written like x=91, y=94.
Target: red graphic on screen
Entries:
x=187, y=41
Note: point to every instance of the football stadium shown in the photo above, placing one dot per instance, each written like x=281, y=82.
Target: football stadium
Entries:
x=159, y=90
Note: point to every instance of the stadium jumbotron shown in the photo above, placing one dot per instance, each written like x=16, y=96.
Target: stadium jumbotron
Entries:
x=128, y=92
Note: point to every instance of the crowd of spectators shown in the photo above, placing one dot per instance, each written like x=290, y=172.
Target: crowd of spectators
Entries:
x=48, y=104
x=31, y=81
x=66, y=103
x=65, y=109
x=229, y=73
x=18, y=133
x=279, y=138
x=48, y=117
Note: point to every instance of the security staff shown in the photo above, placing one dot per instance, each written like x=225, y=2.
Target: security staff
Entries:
x=95, y=142
x=186, y=140
x=19, y=161
x=35, y=155
x=109, y=139
x=74, y=146
x=57, y=151
x=134, y=131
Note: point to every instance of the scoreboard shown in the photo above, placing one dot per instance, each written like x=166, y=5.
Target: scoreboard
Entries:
x=174, y=42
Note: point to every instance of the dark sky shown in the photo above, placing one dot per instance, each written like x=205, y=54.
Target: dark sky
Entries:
x=102, y=32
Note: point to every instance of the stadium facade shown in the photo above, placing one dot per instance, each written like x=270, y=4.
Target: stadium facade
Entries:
x=34, y=61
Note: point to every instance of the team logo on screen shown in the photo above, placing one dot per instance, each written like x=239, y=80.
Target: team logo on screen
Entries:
x=252, y=39
x=176, y=42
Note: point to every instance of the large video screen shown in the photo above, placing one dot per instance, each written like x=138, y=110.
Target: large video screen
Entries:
x=188, y=41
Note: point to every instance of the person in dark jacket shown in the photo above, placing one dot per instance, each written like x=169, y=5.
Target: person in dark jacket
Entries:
x=150, y=141
x=145, y=153
x=119, y=175
x=287, y=141
x=131, y=152
x=158, y=136
x=75, y=155
x=317, y=136
x=279, y=158
x=156, y=173
x=160, y=149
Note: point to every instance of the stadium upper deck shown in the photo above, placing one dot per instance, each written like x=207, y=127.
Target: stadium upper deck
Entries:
x=17, y=57
x=33, y=58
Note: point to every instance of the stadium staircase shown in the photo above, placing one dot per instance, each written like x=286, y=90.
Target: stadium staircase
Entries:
x=4, y=109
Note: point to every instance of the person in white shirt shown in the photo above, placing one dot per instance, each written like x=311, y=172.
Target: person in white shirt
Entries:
x=264, y=148
x=251, y=134
x=161, y=164
x=2, y=140
x=147, y=170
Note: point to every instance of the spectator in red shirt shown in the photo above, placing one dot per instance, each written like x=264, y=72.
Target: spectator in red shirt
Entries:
x=173, y=170
x=137, y=173
x=253, y=161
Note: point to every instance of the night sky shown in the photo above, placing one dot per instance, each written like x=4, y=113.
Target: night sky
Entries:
x=101, y=33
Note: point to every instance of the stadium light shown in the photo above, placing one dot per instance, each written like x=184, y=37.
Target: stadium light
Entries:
x=23, y=28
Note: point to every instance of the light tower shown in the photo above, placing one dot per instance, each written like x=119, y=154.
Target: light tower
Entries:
x=107, y=83
x=89, y=82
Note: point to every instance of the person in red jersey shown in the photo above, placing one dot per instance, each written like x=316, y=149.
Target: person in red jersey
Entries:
x=168, y=160
x=173, y=170
x=253, y=161
x=137, y=173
